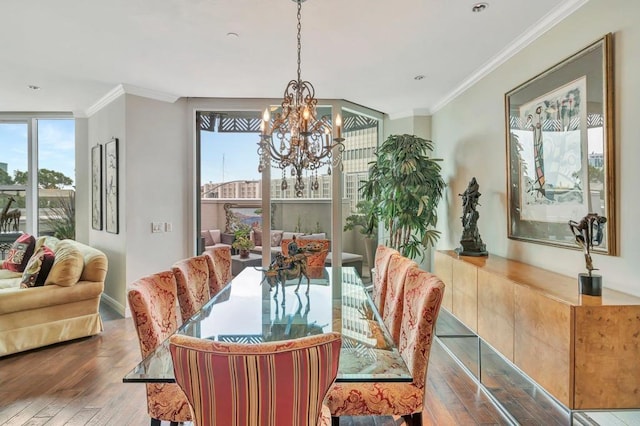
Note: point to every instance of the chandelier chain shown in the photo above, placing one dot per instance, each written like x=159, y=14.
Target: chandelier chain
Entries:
x=299, y=36
x=297, y=139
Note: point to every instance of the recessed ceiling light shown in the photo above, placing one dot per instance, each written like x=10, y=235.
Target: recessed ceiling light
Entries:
x=418, y=77
x=231, y=34
x=479, y=7
x=33, y=87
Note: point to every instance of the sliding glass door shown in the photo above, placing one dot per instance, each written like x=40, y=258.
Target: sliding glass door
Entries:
x=230, y=186
x=231, y=192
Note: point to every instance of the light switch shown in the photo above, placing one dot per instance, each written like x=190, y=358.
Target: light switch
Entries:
x=157, y=227
x=168, y=227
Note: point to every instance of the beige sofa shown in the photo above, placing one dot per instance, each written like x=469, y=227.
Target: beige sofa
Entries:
x=40, y=316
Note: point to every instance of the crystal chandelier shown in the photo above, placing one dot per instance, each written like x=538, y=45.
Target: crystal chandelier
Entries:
x=296, y=138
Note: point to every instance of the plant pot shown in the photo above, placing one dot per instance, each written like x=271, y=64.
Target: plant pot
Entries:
x=370, y=245
x=244, y=254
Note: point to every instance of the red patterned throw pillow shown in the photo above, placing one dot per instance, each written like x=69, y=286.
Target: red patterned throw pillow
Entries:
x=38, y=267
x=20, y=253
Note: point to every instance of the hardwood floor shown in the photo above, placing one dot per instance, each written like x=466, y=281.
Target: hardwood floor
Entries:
x=80, y=383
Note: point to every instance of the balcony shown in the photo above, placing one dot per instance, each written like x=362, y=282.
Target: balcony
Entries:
x=297, y=215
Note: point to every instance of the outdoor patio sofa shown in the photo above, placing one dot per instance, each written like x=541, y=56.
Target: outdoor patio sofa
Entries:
x=348, y=259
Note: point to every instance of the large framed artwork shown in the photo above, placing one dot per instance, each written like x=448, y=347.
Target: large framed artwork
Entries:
x=96, y=187
x=111, y=185
x=560, y=149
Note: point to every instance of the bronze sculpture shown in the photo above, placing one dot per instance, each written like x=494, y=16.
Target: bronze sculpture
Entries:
x=589, y=233
x=471, y=242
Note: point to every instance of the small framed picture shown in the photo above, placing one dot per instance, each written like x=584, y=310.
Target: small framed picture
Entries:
x=96, y=187
x=111, y=186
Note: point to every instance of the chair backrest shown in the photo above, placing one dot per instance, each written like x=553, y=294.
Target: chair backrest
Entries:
x=393, y=301
x=192, y=280
x=219, y=263
x=422, y=299
x=381, y=263
x=315, y=250
x=268, y=384
x=152, y=300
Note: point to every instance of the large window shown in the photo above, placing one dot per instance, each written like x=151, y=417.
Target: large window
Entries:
x=37, y=176
x=227, y=161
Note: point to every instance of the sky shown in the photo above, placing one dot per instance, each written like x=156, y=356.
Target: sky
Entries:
x=240, y=154
x=56, y=139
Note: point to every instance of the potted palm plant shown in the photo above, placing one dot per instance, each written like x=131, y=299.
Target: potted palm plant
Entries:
x=366, y=221
x=242, y=241
x=404, y=188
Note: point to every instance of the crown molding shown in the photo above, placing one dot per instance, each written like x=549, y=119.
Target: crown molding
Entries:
x=111, y=96
x=122, y=89
x=538, y=29
x=150, y=94
x=417, y=112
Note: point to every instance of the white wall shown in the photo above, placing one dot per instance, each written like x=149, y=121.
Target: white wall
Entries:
x=470, y=136
x=83, y=180
x=103, y=125
x=154, y=183
x=419, y=125
x=158, y=185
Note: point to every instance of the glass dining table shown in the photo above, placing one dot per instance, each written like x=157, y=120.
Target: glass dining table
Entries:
x=248, y=310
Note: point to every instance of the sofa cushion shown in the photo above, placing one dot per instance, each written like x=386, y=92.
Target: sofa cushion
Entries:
x=9, y=279
x=276, y=238
x=286, y=235
x=38, y=267
x=319, y=236
x=67, y=266
x=215, y=236
x=20, y=253
x=208, y=241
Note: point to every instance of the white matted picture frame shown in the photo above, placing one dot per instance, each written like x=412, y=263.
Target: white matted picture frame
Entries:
x=96, y=187
x=111, y=186
x=560, y=150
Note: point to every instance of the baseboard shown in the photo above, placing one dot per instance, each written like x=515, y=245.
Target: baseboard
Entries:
x=114, y=304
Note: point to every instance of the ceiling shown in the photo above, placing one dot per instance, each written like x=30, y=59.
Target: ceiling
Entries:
x=364, y=51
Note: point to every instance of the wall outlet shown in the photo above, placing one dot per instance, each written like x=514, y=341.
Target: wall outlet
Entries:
x=168, y=227
x=157, y=227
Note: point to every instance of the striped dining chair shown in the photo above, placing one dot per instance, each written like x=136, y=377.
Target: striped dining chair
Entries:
x=279, y=383
x=192, y=279
x=422, y=299
x=152, y=300
x=219, y=262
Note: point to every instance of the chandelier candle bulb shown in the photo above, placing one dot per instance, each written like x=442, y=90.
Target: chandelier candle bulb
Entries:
x=339, y=126
x=305, y=120
x=265, y=122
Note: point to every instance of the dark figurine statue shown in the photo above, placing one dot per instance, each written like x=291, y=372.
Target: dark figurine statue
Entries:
x=589, y=233
x=471, y=242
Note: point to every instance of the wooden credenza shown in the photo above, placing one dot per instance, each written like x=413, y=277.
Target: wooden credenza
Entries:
x=583, y=350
